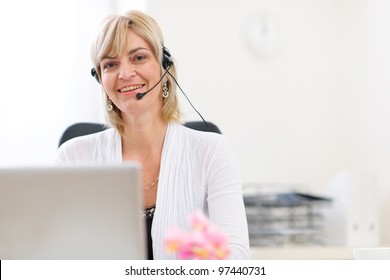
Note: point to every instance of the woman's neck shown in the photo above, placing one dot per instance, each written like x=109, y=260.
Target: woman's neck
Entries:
x=143, y=138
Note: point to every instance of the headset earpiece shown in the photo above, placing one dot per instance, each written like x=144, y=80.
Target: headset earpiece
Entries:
x=95, y=75
x=167, y=59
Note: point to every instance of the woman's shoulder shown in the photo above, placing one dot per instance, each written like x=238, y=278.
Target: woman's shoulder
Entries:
x=198, y=134
x=84, y=147
x=196, y=139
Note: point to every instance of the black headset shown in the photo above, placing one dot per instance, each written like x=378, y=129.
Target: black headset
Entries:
x=166, y=63
x=167, y=59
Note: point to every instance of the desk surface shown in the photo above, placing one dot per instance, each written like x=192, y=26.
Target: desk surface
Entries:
x=302, y=253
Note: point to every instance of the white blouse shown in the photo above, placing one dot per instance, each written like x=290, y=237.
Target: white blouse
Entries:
x=198, y=170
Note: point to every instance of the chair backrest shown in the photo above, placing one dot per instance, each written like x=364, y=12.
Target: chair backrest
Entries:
x=80, y=129
x=203, y=126
x=85, y=128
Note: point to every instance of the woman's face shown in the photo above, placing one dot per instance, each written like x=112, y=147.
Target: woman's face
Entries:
x=135, y=71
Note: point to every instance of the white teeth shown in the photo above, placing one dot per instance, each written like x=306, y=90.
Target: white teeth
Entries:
x=130, y=88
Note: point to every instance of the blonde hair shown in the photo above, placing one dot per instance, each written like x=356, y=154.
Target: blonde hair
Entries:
x=111, y=41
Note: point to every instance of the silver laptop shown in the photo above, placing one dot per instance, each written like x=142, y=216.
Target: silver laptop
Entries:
x=78, y=212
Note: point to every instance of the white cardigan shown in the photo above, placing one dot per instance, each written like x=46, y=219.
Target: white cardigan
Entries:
x=198, y=170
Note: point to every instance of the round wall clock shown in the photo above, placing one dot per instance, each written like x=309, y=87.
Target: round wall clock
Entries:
x=260, y=34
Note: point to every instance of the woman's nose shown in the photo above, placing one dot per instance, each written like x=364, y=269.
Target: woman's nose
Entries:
x=126, y=70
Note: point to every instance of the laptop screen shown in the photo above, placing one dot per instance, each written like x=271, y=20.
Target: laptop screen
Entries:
x=71, y=212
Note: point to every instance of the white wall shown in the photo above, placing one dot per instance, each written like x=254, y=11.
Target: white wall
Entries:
x=45, y=74
x=45, y=80
x=289, y=118
x=312, y=109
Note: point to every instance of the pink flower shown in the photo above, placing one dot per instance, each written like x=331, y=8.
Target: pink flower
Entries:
x=203, y=242
x=174, y=239
x=199, y=221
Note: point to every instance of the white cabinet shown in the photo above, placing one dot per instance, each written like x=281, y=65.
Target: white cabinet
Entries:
x=353, y=219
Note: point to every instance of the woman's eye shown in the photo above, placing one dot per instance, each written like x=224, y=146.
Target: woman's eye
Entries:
x=108, y=65
x=139, y=58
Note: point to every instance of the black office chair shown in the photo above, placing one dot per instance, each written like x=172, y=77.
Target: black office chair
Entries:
x=85, y=128
x=80, y=129
x=202, y=126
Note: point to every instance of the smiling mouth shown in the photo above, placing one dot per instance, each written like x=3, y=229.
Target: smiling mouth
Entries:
x=129, y=88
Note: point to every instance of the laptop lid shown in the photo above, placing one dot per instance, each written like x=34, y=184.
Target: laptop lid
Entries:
x=71, y=212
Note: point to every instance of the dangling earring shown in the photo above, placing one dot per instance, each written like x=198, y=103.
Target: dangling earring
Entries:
x=165, y=93
x=109, y=105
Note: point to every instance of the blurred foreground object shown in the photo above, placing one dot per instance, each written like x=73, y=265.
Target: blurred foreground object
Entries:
x=203, y=242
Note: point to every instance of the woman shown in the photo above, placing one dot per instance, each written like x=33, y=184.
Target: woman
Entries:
x=183, y=169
